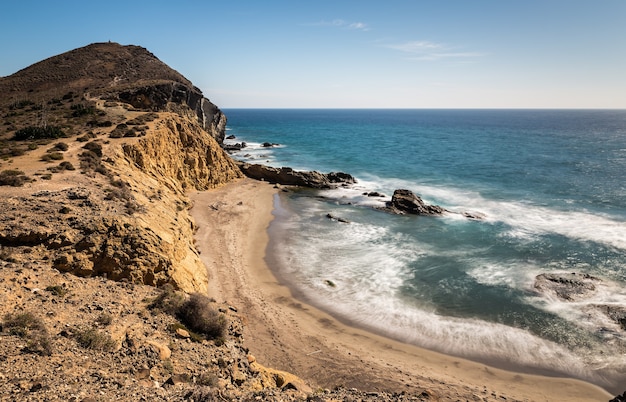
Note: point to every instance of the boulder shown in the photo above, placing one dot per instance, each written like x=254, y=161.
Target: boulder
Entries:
x=289, y=177
x=566, y=286
x=406, y=202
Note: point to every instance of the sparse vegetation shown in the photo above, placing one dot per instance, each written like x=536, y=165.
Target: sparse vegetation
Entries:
x=30, y=327
x=60, y=146
x=168, y=301
x=52, y=156
x=37, y=133
x=57, y=290
x=91, y=159
x=143, y=119
x=196, y=314
x=79, y=110
x=104, y=319
x=94, y=147
x=13, y=177
x=91, y=338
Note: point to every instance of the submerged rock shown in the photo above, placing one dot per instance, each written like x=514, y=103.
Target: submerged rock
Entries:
x=338, y=219
x=567, y=286
x=615, y=313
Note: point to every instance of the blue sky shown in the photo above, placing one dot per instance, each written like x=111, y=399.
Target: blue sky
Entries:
x=354, y=54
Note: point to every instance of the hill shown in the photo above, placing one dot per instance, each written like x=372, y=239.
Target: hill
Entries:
x=99, y=147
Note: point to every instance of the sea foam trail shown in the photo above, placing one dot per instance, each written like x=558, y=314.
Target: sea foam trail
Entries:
x=357, y=271
x=524, y=219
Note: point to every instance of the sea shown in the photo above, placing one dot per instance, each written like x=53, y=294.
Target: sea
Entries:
x=548, y=187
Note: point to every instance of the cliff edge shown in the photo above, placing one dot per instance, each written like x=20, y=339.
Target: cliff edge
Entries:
x=100, y=146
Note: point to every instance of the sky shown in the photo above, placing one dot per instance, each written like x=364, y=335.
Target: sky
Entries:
x=351, y=54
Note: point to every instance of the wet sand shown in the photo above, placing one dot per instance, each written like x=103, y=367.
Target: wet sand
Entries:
x=284, y=333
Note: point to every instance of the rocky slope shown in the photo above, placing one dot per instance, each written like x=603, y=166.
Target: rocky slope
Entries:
x=107, y=198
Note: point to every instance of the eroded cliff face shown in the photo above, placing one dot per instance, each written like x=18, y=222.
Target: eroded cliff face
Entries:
x=170, y=96
x=135, y=137
x=180, y=154
x=123, y=215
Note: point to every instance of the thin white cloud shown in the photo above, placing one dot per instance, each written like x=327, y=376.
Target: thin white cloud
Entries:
x=339, y=23
x=416, y=46
x=430, y=51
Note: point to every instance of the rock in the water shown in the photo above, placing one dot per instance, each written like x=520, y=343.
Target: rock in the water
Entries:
x=567, y=286
x=406, y=202
x=289, y=177
x=615, y=313
x=334, y=218
x=269, y=144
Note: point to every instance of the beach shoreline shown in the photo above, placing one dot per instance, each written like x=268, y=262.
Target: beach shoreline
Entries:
x=285, y=333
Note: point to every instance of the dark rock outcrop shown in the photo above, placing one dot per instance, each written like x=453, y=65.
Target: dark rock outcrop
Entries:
x=289, y=177
x=619, y=398
x=161, y=97
x=567, y=286
x=406, y=202
x=338, y=219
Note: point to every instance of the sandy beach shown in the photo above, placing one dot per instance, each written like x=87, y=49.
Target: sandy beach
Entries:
x=286, y=334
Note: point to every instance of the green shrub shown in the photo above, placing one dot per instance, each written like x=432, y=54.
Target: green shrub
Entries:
x=37, y=133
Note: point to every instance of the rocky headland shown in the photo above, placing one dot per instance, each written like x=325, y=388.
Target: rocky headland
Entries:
x=104, y=292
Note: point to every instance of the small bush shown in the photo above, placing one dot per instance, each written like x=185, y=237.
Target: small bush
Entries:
x=93, y=339
x=60, y=146
x=37, y=133
x=94, y=147
x=168, y=301
x=29, y=326
x=104, y=319
x=66, y=166
x=79, y=110
x=198, y=314
x=86, y=137
x=15, y=178
x=52, y=156
x=57, y=290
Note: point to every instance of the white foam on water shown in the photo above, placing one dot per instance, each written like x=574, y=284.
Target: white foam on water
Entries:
x=525, y=220
x=356, y=271
x=513, y=274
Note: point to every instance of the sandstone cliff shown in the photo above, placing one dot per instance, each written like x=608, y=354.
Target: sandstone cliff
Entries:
x=135, y=136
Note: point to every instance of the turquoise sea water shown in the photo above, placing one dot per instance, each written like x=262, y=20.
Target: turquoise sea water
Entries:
x=549, y=184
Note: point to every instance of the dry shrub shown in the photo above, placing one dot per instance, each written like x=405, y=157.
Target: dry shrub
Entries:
x=91, y=338
x=30, y=327
x=168, y=301
x=11, y=177
x=198, y=314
